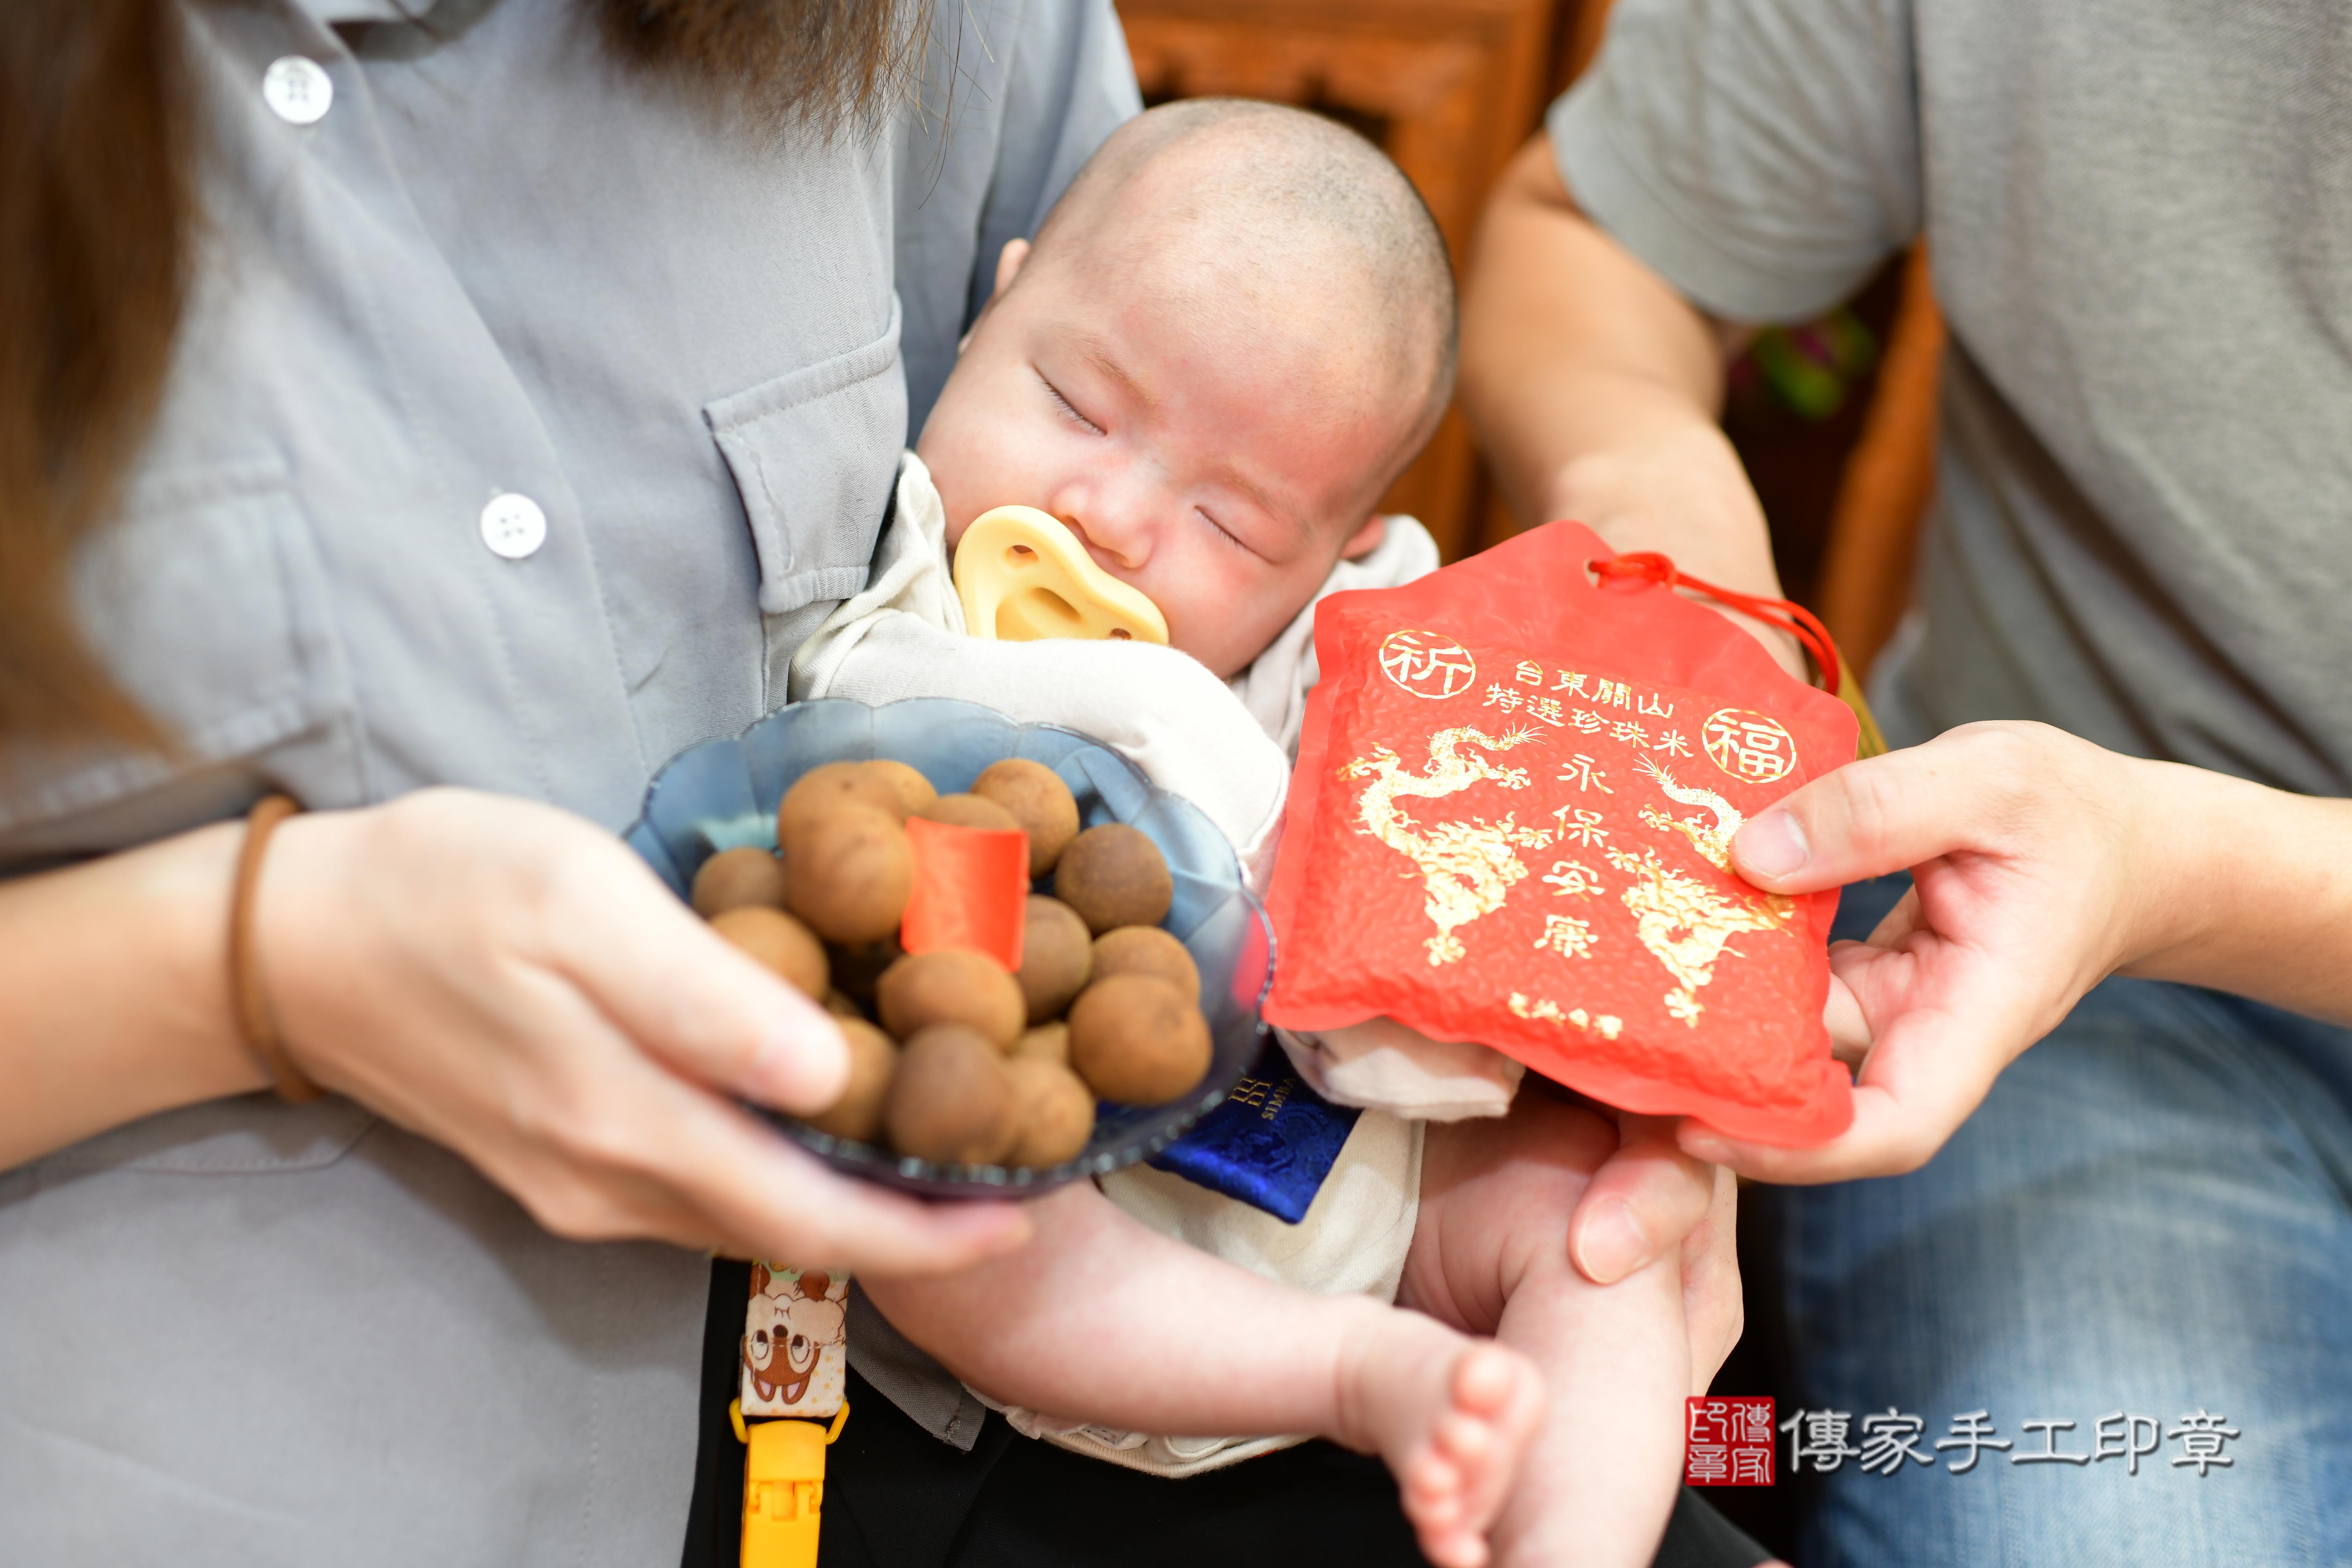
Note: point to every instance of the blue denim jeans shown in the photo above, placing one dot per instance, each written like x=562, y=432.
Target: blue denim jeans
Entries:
x=2150, y=1216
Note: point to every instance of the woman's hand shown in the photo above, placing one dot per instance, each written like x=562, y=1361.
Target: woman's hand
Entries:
x=510, y=981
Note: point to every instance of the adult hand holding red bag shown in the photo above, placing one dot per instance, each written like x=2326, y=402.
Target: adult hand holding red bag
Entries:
x=1500, y=615
x=2042, y=864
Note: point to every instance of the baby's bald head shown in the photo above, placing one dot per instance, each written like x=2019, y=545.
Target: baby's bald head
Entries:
x=1233, y=334
x=1288, y=210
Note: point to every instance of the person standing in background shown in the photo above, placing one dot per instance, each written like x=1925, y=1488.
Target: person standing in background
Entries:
x=2139, y=218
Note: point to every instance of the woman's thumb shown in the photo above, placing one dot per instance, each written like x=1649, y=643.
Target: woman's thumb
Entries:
x=707, y=1009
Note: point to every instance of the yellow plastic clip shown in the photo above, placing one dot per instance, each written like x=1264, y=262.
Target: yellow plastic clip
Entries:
x=783, y=1488
x=1023, y=576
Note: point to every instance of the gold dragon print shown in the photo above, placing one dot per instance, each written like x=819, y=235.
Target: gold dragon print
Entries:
x=1684, y=923
x=1467, y=868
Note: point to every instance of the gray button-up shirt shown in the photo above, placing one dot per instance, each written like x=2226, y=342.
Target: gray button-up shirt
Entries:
x=527, y=413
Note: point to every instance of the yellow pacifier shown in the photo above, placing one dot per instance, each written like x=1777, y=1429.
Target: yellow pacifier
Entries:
x=1023, y=576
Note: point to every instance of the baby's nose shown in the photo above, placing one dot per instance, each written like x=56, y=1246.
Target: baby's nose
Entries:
x=1123, y=546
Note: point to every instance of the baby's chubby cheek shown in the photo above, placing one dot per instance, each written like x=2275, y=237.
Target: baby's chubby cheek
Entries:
x=963, y=494
x=978, y=460
x=1224, y=619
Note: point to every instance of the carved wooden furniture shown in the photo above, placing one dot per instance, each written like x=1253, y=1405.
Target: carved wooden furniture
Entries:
x=1449, y=88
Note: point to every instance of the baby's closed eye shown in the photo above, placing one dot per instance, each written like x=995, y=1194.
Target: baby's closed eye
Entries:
x=1069, y=409
x=1228, y=534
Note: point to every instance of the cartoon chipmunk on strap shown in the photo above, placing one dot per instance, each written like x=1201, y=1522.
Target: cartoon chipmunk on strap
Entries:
x=793, y=1362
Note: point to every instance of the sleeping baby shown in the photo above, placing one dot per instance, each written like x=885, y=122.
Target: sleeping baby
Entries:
x=1227, y=340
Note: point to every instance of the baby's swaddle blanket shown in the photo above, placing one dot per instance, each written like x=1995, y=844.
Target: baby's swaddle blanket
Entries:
x=1225, y=747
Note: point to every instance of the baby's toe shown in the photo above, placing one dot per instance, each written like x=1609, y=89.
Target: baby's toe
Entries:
x=1431, y=1486
x=1454, y=1548
x=1470, y=1441
x=1487, y=1379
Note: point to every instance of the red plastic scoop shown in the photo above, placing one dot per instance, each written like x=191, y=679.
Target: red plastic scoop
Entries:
x=971, y=889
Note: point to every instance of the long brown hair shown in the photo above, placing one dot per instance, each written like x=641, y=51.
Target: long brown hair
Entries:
x=98, y=164
x=94, y=213
x=829, y=62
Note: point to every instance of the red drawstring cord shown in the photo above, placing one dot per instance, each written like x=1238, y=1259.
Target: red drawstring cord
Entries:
x=1795, y=619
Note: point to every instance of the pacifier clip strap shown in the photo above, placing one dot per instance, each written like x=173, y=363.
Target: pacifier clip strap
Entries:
x=791, y=1368
x=783, y=1486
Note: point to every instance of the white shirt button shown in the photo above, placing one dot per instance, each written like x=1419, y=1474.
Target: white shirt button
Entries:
x=298, y=90
x=513, y=526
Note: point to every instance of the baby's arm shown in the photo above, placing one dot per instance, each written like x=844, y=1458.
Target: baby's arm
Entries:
x=1101, y=1320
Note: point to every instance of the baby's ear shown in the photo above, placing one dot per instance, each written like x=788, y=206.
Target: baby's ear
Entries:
x=1366, y=539
x=1008, y=264
x=1008, y=267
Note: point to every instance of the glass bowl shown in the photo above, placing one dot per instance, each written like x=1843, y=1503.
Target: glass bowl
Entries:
x=723, y=794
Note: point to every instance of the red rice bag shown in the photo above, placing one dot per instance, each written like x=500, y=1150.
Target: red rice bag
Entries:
x=1510, y=823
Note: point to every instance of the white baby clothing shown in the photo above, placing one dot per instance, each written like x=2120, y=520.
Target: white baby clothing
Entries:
x=1226, y=747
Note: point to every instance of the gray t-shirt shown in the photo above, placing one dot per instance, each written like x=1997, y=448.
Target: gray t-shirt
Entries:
x=2141, y=222
x=525, y=417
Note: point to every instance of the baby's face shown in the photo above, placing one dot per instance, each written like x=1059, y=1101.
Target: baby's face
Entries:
x=1217, y=451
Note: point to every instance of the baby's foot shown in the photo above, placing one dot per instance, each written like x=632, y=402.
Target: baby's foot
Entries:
x=1452, y=1417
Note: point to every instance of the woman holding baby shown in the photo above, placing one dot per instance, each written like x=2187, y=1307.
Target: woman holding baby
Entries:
x=486, y=395
x=444, y=415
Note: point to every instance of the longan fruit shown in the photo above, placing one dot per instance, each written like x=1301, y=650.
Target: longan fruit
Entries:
x=873, y=1062
x=1056, y=956
x=911, y=787
x=1133, y=1038
x=1114, y=876
x=734, y=878
x=1054, y=1112
x=968, y=811
x=857, y=966
x=1037, y=798
x=841, y=1004
x=829, y=785
x=779, y=942
x=952, y=986
x=1146, y=950
x=849, y=873
x=951, y=1100
x=1045, y=1043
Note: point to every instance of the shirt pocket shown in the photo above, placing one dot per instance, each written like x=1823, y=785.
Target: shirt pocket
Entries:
x=814, y=454
x=207, y=601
